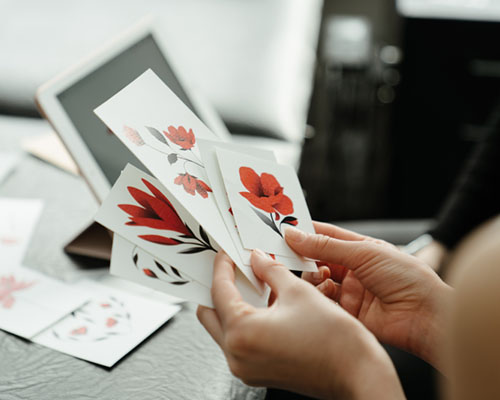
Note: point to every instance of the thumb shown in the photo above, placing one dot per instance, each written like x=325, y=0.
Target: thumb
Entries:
x=348, y=253
x=270, y=271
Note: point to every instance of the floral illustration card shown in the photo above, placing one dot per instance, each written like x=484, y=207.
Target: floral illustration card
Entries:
x=130, y=262
x=265, y=197
x=209, y=157
x=162, y=132
x=18, y=219
x=108, y=326
x=145, y=213
x=30, y=301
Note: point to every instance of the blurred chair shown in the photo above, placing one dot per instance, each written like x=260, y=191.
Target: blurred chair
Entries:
x=253, y=60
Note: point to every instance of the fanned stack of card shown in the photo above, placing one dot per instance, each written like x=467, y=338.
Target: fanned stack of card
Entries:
x=205, y=195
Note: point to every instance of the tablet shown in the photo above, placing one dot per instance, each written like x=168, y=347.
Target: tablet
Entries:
x=68, y=102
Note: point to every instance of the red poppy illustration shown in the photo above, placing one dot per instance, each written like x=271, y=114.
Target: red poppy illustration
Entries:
x=180, y=136
x=8, y=285
x=192, y=185
x=157, y=212
x=266, y=194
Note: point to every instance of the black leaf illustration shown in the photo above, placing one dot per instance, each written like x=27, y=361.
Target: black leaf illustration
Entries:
x=179, y=283
x=176, y=272
x=204, y=235
x=289, y=220
x=172, y=158
x=190, y=231
x=193, y=250
x=157, y=135
x=267, y=221
x=161, y=267
x=135, y=258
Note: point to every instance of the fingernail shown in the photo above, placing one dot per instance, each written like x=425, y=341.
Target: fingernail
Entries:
x=317, y=275
x=260, y=253
x=294, y=234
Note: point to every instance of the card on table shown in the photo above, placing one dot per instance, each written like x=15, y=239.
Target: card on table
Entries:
x=209, y=157
x=265, y=197
x=162, y=132
x=130, y=262
x=18, y=219
x=107, y=327
x=30, y=301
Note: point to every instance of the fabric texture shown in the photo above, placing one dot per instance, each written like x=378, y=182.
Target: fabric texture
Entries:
x=476, y=195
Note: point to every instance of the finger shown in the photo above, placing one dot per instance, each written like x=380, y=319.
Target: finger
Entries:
x=225, y=295
x=317, y=277
x=337, y=272
x=330, y=289
x=270, y=271
x=350, y=254
x=209, y=319
x=337, y=232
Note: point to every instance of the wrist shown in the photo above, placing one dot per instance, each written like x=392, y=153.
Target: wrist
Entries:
x=367, y=372
x=428, y=342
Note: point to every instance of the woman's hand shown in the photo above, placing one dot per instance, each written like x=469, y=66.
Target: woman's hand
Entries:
x=303, y=342
x=396, y=296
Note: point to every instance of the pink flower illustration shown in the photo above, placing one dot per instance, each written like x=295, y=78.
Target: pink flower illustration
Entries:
x=8, y=285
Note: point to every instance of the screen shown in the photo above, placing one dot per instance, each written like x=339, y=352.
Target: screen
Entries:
x=80, y=99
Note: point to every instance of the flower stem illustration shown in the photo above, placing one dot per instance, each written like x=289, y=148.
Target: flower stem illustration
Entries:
x=184, y=140
x=167, y=273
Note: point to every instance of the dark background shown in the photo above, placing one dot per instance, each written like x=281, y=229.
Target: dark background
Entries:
x=377, y=157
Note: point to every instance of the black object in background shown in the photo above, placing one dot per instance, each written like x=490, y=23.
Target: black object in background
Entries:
x=450, y=83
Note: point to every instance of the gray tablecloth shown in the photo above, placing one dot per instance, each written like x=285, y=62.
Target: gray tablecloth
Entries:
x=179, y=361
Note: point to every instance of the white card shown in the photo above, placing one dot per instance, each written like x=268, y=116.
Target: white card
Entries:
x=133, y=263
x=265, y=197
x=30, y=301
x=7, y=163
x=18, y=218
x=109, y=326
x=176, y=240
x=143, y=211
x=209, y=157
x=162, y=132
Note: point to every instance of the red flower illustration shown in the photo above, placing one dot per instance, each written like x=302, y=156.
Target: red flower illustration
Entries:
x=110, y=322
x=8, y=285
x=192, y=185
x=265, y=192
x=181, y=137
x=79, y=331
x=157, y=212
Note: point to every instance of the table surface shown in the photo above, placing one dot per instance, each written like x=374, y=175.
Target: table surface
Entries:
x=179, y=361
